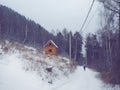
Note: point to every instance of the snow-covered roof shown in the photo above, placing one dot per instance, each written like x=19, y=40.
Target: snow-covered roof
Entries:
x=52, y=43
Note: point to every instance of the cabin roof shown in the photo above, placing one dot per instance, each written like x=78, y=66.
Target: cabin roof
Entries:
x=51, y=42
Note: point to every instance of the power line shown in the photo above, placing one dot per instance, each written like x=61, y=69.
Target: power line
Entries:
x=91, y=18
x=86, y=20
x=87, y=15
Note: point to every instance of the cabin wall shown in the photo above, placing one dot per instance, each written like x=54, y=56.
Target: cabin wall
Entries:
x=51, y=50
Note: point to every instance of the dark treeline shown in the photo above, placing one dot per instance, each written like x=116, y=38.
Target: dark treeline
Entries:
x=62, y=40
x=15, y=27
x=102, y=54
x=103, y=48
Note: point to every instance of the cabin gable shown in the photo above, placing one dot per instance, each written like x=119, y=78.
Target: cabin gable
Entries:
x=51, y=48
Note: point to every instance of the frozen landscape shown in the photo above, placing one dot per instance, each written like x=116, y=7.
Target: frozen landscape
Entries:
x=20, y=72
x=76, y=44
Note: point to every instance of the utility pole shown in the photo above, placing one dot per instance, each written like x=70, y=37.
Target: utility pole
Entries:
x=76, y=51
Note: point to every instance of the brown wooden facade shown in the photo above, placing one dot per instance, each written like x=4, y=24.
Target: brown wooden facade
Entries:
x=51, y=48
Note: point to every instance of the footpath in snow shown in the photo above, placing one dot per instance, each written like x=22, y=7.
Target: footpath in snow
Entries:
x=14, y=77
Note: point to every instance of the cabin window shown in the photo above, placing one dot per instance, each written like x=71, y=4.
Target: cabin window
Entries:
x=50, y=44
x=50, y=50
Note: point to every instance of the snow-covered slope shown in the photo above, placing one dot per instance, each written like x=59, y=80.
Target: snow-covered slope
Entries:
x=26, y=70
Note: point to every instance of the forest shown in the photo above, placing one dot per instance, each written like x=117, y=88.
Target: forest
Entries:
x=102, y=48
x=15, y=27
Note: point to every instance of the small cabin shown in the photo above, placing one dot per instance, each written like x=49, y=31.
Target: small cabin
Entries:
x=50, y=48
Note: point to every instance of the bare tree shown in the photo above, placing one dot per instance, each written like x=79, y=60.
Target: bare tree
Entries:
x=26, y=33
x=112, y=5
x=70, y=45
x=112, y=23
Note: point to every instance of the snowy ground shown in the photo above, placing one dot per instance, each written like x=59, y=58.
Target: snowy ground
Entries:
x=14, y=76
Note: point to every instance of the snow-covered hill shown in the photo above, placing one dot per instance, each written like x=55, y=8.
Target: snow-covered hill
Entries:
x=25, y=68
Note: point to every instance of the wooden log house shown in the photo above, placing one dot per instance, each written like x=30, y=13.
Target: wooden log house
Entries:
x=50, y=48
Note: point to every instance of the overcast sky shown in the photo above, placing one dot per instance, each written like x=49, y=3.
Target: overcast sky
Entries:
x=57, y=14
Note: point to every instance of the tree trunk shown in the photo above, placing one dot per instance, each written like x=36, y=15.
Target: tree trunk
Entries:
x=75, y=51
x=70, y=45
x=26, y=31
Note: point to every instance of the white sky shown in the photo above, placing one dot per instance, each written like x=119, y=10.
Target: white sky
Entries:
x=57, y=14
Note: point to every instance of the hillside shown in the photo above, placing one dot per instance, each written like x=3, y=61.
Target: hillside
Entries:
x=16, y=27
x=25, y=68
x=47, y=67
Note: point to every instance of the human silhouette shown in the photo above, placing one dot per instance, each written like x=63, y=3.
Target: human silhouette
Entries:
x=84, y=67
